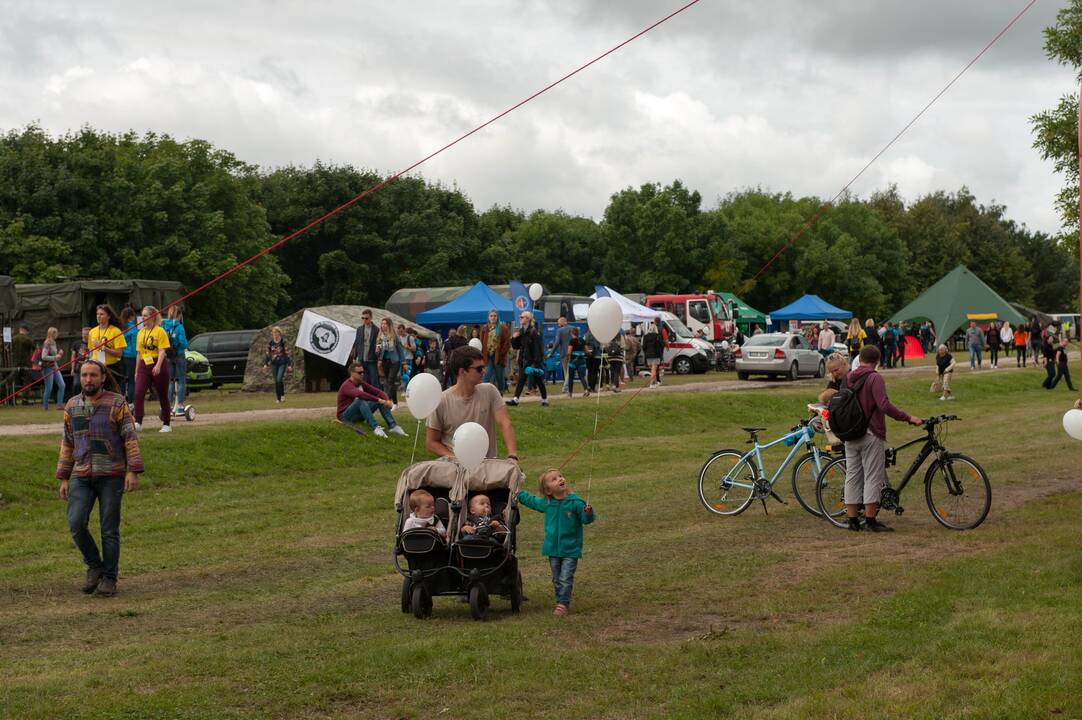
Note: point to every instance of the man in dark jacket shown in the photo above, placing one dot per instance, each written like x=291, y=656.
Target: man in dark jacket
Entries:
x=865, y=459
x=364, y=348
x=531, y=357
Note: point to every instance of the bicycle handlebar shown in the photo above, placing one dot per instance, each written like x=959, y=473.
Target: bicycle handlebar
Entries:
x=931, y=422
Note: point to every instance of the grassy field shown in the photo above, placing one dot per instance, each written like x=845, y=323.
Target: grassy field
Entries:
x=256, y=581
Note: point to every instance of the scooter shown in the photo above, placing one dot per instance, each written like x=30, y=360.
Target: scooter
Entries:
x=187, y=411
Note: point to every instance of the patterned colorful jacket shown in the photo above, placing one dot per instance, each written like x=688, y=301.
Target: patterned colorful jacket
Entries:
x=99, y=438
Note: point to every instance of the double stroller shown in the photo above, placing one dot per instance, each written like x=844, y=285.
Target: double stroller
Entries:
x=476, y=565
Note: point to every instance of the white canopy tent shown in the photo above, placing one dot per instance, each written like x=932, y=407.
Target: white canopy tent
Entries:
x=633, y=311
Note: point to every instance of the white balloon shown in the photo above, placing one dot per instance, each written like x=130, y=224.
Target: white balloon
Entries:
x=423, y=395
x=1072, y=423
x=536, y=291
x=604, y=319
x=724, y=344
x=475, y=343
x=471, y=445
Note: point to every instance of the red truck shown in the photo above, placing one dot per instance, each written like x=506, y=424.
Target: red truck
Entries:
x=706, y=312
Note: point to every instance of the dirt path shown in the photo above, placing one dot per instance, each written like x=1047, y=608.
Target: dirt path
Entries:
x=286, y=414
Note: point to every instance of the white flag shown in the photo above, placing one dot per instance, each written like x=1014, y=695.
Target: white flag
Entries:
x=325, y=337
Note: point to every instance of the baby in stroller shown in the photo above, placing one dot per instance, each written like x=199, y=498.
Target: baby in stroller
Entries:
x=423, y=514
x=480, y=523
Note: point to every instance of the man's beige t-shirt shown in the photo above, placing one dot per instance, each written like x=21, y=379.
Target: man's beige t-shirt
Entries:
x=455, y=410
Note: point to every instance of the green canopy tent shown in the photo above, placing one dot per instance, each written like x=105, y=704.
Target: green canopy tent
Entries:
x=959, y=296
x=745, y=314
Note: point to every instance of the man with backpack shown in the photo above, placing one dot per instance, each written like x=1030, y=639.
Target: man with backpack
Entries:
x=857, y=417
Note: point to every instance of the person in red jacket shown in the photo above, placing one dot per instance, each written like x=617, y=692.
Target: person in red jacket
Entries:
x=865, y=458
x=357, y=399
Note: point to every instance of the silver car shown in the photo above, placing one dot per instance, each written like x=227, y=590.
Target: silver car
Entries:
x=776, y=354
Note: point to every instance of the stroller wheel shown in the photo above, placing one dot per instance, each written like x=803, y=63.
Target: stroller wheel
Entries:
x=406, y=592
x=478, y=602
x=516, y=593
x=421, y=602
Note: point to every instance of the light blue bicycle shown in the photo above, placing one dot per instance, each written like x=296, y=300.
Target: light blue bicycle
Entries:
x=730, y=480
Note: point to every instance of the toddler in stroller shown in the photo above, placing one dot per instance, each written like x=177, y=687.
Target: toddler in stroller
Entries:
x=423, y=514
x=468, y=563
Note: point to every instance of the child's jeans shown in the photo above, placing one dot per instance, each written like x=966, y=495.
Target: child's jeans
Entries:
x=563, y=577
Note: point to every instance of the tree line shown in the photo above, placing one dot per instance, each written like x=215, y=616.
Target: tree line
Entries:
x=95, y=204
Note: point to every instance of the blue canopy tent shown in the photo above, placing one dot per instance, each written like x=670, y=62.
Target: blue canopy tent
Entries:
x=469, y=308
x=809, y=308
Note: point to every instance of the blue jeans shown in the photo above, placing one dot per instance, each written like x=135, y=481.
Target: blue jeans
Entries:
x=178, y=371
x=82, y=492
x=53, y=377
x=127, y=389
x=494, y=374
x=362, y=410
x=371, y=372
x=974, y=356
x=563, y=577
x=279, y=373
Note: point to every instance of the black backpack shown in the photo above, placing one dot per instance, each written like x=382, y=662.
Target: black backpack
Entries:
x=847, y=419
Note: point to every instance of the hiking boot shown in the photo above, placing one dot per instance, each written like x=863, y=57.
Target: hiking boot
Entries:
x=107, y=587
x=93, y=579
x=873, y=525
x=854, y=524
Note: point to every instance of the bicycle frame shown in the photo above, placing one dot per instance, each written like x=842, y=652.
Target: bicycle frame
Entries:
x=802, y=433
x=931, y=445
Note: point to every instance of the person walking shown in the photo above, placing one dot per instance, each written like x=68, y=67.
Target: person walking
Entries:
x=50, y=370
x=99, y=462
x=128, y=355
x=975, y=344
x=107, y=341
x=409, y=348
x=653, y=349
x=576, y=365
x=890, y=346
x=495, y=344
x=531, y=359
x=594, y=353
x=826, y=340
x=80, y=351
x=563, y=341
x=871, y=333
x=994, y=341
x=456, y=338
x=1006, y=337
x=865, y=457
x=277, y=360
x=854, y=337
x=391, y=356
x=1021, y=342
x=173, y=326
x=1036, y=337
x=1063, y=369
x=615, y=352
x=364, y=348
x=900, y=332
x=1048, y=358
x=152, y=368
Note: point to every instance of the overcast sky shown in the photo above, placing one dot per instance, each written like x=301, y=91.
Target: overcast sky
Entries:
x=782, y=94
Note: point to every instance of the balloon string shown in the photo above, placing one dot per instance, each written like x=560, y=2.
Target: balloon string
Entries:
x=416, y=436
x=593, y=438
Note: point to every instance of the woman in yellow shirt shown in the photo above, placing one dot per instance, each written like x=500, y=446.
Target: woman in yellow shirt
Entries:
x=106, y=340
x=151, y=367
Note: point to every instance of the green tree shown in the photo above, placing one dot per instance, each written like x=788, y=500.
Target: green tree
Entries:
x=1056, y=130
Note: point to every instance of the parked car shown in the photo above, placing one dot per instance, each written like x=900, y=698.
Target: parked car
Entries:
x=841, y=330
x=227, y=353
x=200, y=374
x=684, y=353
x=779, y=354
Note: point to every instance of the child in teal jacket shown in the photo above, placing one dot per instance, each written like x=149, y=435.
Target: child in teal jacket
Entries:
x=565, y=514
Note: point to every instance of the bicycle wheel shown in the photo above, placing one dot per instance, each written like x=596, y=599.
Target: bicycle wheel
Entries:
x=830, y=492
x=805, y=473
x=958, y=492
x=727, y=483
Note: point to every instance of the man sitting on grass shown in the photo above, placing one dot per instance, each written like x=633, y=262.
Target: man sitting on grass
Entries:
x=357, y=399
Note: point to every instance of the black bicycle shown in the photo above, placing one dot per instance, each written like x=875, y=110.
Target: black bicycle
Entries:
x=956, y=487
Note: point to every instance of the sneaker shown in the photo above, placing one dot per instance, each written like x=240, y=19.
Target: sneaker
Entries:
x=397, y=430
x=941, y=397
x=93, y=579
x=394, y=407
x=873, y=525
x=513, y=401
x=107, y=587
x=545, y=403
x=166, y=428
x=854, y=524
x=379, y=432
x=951, y=397
x=138, y=427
